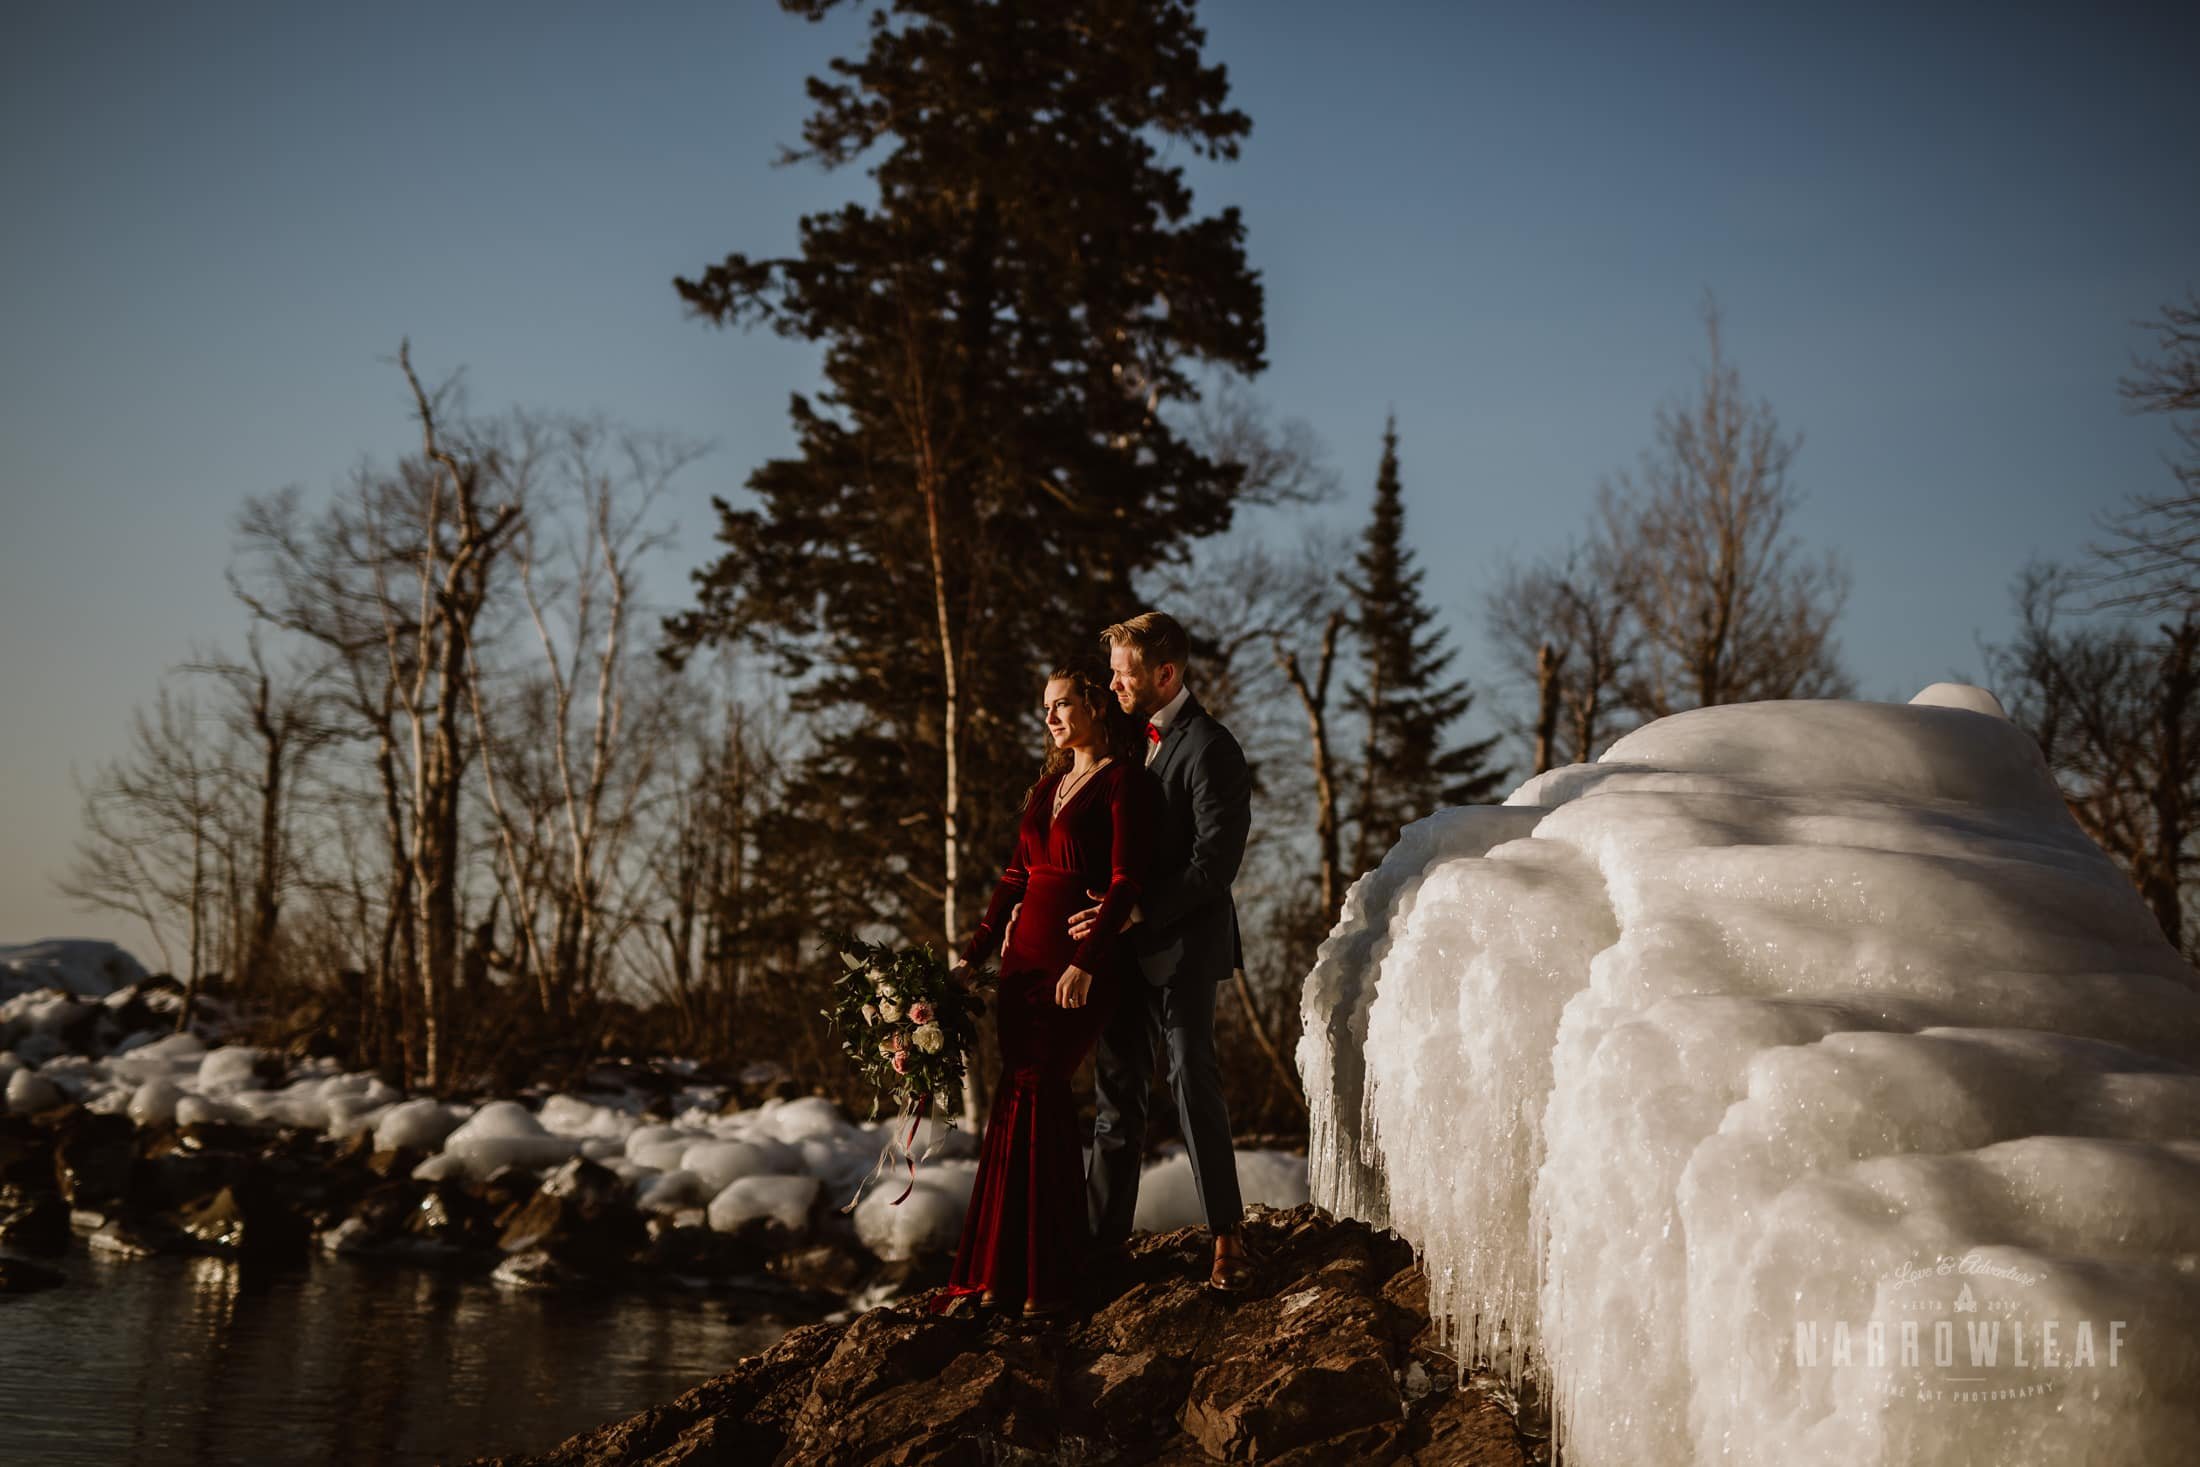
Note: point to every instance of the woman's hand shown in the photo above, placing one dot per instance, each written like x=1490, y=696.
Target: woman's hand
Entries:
x=963, y=976
x=1073, y=987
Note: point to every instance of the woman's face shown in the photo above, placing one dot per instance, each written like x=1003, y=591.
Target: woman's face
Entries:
x=1069, y=721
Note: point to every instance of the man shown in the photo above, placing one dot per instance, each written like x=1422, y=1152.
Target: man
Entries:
x=1185, y=937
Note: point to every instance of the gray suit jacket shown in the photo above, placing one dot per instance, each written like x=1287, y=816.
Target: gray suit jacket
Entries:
x=1190, y=928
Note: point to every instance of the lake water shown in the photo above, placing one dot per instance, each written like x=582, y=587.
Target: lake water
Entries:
x=199, y=1361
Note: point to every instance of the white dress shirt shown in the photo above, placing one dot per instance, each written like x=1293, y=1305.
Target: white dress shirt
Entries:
x=1164, y=716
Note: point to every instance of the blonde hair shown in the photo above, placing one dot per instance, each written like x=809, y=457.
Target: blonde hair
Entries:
x=1157, y=636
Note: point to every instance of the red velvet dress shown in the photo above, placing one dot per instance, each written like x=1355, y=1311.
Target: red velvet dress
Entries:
x=1025, y=1233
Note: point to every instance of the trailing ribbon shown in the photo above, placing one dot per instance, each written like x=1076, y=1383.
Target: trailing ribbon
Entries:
x=915, y=1112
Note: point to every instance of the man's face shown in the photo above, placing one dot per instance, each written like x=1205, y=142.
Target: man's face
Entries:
x=1140, y=690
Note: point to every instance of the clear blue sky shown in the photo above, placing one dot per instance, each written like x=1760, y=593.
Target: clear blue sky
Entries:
x=1930, y=238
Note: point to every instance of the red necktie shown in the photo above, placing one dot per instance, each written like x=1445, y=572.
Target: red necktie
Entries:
x=1153, y=735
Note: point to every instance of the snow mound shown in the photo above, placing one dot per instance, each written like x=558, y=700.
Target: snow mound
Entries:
x=929, y=1221
x=722, y=1163
x=504, y=1133
x=1167, y=1199
x=1797, y=1084
x=785, y=1200
x=422, y=1125
x=75, y=965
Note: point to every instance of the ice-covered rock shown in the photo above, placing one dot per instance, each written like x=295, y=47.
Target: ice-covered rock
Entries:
x=784, y=1200
x=83, y=966
x=1167, y=1199
x=1797, y=1084
x=928, y=1222
x=722, y=1163
x=671, y=1191
x=811, y=1118
x=505, y=1133
x=420, y=1124
x=199, y=1110
x=29, y=1092
x=155, y=1102
x=231, y=1068
x=570, y=1115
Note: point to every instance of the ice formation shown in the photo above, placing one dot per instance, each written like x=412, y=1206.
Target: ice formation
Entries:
x=1699, y=1073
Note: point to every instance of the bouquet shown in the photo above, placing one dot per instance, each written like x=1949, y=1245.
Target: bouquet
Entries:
x=908, y=1028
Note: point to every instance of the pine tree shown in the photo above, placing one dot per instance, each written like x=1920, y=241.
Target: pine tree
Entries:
x=1406, y=771
x=1008, y=332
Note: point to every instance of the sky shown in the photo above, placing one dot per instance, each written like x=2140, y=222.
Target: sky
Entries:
x=1931, y=230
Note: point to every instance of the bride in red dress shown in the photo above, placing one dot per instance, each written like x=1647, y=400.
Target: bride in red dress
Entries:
x=1086, y=832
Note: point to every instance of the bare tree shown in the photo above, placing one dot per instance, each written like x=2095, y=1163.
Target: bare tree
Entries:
x=428, y=659
x=2116, y=713
x=1566, y=629
x=580, y=772
x=2152, y=560
x=1729, y=609
x=278, y=719
x=153, y=835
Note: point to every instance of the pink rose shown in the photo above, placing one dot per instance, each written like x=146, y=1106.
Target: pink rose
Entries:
x=901, y=1061
x=920, y=1013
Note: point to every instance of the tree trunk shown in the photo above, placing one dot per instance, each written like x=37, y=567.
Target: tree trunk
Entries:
x=1315, y=701
x=2165, y=877
x=1547, y=663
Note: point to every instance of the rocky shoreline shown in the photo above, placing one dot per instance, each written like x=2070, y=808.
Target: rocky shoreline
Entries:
x=1330, y=1359
x=273, y=1198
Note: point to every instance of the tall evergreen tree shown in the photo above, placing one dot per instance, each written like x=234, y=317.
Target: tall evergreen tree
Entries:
x=1407, y=709
x=1008, y=332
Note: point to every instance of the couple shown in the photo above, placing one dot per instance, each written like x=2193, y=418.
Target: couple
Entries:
x=1142, y=807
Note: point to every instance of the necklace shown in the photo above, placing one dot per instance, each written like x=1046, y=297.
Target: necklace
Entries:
x=1067, y=788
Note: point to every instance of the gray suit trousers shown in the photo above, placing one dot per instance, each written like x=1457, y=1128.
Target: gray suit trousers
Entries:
x=1180, y=1017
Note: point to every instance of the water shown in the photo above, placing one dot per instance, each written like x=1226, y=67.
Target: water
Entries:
x=198, y=1361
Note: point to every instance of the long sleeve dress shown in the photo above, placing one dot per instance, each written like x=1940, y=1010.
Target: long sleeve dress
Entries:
x=1025, y=1232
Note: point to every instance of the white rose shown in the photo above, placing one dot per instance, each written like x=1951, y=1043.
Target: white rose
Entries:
x=889, y=1011
x=870, y=1014
x=930, y=1039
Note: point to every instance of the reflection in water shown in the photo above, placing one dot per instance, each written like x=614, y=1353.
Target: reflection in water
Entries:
x=204, y=1361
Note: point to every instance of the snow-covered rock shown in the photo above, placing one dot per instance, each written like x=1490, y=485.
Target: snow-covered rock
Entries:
x=722, y=1163
x=82, y=966
x=232, y=1068
x=928, y=1222
x=505, y=1133
x=1749, y=1079
x=155, y=1102
x=785, y=1200
x=29, y=1091
x=419, y=1124
x=1167, y=1199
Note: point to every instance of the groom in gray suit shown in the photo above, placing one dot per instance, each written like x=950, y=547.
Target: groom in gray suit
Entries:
x=1185, y=936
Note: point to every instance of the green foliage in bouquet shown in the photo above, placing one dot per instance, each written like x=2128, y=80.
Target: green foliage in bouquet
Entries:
x=904, y=1023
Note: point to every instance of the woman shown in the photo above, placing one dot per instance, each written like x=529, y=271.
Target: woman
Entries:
x=1086, y=829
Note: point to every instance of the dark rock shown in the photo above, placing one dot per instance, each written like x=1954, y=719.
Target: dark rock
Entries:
x=701, y=1253
x=399, y=1162
x=21, y=1276
x=357, y=1149
x=246, y=1221
x=834, y=1267
x=1253, y=1410
x=26, y=1153
x=452, y=1217
x=94, y=1158
x=33, y=1222
x=1323, y=1362
x=580, y=1219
